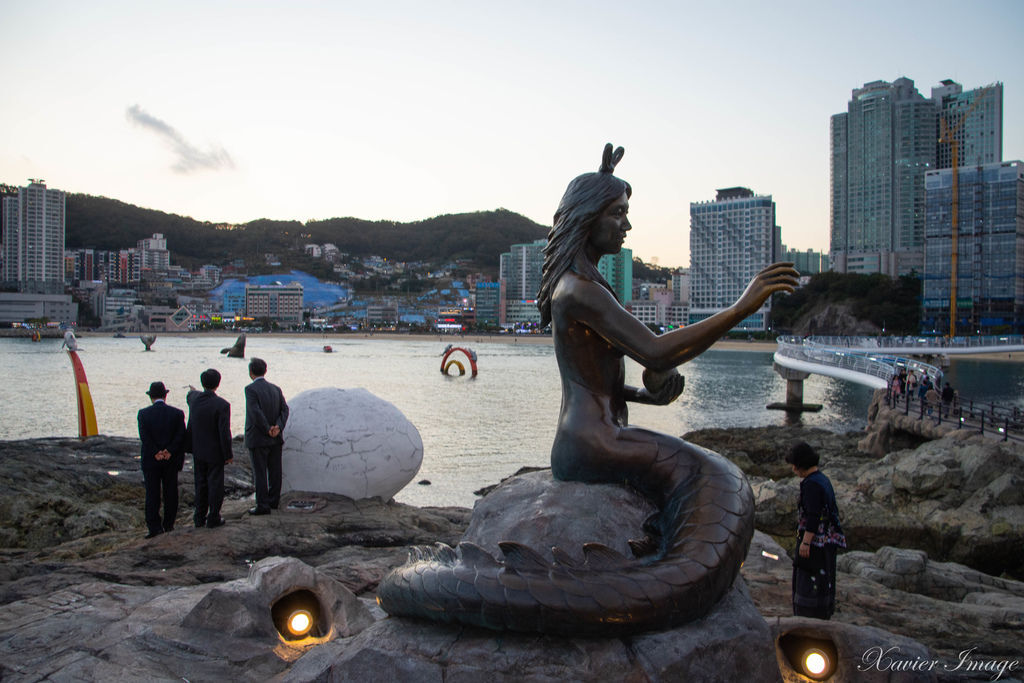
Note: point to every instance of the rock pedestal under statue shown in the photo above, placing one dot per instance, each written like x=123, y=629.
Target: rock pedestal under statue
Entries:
x=732, y=642
x=348, y=442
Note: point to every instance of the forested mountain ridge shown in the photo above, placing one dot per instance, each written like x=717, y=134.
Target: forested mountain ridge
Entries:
x=481, y=237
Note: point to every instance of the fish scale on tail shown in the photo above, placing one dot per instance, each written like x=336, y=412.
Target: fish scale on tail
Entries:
x=704, y=529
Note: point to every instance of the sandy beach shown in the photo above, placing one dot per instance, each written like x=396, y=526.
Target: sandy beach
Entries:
x=466, y=339
x=457, y=340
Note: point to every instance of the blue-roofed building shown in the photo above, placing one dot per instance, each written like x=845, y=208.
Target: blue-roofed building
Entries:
x=315, y=293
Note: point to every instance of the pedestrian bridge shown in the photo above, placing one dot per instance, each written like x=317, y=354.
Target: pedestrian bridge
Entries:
x=921, y=346
x=872, y=361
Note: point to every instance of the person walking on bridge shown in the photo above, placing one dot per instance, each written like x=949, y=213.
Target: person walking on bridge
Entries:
x=931, y=399
x=948, y=394
x=922, y=390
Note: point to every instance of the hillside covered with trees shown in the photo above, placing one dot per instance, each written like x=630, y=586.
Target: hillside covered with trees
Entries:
x=892, y=305
x=480, y=237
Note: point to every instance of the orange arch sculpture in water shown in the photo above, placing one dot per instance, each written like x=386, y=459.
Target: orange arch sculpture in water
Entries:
x=446, y=363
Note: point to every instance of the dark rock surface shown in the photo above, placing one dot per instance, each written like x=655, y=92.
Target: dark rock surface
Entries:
x=82, y=593
x=59, y=490
x=407, y=650
x=855, y=646
x=761, y=452
x=959, y=498
x=66, y=519
x=946, y=606
x=889, y=429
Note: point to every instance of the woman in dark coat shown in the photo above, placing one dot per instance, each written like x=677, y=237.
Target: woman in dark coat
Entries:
x=819, y=537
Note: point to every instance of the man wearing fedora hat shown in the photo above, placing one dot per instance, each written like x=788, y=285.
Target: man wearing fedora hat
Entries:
x=162, y=433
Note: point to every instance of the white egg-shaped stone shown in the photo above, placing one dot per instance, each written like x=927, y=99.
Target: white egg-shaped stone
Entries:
x=350, y=442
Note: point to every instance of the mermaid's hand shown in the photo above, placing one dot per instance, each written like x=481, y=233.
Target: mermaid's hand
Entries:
x=778, y=277
x=661, y=388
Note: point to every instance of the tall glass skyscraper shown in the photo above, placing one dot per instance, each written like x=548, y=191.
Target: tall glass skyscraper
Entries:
x=520, y=271
x=731, y=240
x=990, y=249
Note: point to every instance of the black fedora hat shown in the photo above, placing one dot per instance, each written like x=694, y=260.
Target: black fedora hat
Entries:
x=157, y=390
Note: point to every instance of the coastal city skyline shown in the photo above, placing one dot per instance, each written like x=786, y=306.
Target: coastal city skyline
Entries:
x=228, y=112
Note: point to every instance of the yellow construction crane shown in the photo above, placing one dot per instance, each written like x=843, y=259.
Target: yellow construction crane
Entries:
x=948, y=136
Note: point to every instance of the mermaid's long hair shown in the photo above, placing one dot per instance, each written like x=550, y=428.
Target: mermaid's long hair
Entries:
x=584, y=200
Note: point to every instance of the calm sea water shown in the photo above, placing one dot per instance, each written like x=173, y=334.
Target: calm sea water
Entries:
x=474, y=431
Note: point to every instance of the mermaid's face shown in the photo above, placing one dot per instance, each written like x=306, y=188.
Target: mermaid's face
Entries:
x=610, y=228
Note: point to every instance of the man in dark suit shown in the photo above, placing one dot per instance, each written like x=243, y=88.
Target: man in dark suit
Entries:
x=162, y=433
x=266, y=414
x=209, y=430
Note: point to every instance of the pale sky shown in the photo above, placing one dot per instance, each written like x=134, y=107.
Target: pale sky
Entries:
x=233, y=111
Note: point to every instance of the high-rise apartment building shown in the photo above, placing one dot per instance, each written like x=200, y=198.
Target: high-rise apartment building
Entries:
x=681, y=286
x=990, y=250
x=807, y=262
x=490, y=309
x=731, y=240
x=520, y=270
x=974, y=119
x=617, y=270
x=153, y=253
x=84, y=265
x=33, y=239
x=881, y=148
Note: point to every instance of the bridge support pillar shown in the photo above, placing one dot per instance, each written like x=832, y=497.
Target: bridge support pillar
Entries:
x=794, y=391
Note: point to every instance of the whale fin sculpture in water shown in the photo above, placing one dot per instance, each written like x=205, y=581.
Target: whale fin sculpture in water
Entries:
x=147, y=340
x=702, y=531
x=238, y=350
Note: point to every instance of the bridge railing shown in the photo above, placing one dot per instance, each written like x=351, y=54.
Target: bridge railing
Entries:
x=793, y=347
x=1000, y=422
x=855, y=359
x=1004, y=422
x=918, y=342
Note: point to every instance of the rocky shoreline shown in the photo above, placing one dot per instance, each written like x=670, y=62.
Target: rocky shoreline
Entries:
x=935, y=532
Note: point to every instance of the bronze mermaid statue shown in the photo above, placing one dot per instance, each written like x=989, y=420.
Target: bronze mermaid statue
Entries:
x=696, y=542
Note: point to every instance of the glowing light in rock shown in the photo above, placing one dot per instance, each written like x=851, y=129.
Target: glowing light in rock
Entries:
x=815, y=662
x=300, y=622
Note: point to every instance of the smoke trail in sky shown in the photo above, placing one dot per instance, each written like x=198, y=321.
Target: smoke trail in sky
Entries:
x=189, y=157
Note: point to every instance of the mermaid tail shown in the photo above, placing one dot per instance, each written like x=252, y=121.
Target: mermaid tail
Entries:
x=703, y=531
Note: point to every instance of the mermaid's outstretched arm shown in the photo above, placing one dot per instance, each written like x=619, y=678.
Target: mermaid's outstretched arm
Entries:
x=595, y=307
